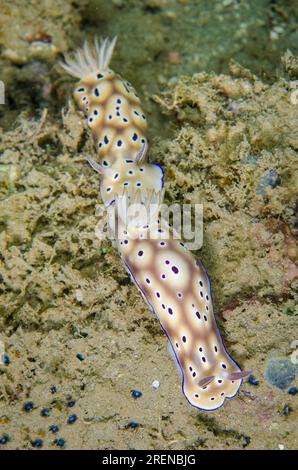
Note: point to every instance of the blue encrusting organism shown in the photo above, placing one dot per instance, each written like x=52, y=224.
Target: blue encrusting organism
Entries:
x=37, y=443
x=136, y=394
x=4, y=439
x=59, y=442
x=6, y=360
x=53, y=428
x=252, y=380
x=171, y=280
x=80, y=357
x=45, y=412
x=72, y=419
x=28, y=406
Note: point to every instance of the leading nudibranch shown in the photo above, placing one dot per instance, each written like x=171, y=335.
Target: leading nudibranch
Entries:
x=172, y=281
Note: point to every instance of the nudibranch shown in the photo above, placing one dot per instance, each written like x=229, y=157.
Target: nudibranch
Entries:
x=174, y=283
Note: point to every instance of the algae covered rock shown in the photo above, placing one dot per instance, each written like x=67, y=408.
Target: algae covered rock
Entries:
x=37, y=32
x=235, y=151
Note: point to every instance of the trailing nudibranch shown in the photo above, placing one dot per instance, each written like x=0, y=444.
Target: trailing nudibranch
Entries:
x=172, y=281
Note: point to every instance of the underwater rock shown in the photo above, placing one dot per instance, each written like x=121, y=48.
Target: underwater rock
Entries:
x=270, y=180
x=281, y=373
x=236, y=140
x=31, y=31
x=290, y=61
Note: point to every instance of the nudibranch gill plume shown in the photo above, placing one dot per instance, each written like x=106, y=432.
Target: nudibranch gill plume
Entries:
x=174, y=283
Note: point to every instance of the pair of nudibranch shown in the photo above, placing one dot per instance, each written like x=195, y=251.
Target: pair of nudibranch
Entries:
x=171, y=280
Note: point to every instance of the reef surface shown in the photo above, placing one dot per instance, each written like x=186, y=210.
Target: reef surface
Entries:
x=77, y=337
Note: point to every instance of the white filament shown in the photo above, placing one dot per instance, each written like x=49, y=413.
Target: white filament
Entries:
x=90, y=58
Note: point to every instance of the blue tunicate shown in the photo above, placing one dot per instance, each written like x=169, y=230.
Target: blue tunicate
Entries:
x=45, y=412
x=4, y=439
x=293, y=391
x=59, y=442
x=28, y=406
x=5, y=360
x=80, y=357
x=247, y=441
x=271, y=179
x=37, y=443
x=281, y=372
x=53, y=428
x=133, y=425
x=252, y=380
x=71, y=404
x=136, y=394
x=287, y=410
x=72, y=419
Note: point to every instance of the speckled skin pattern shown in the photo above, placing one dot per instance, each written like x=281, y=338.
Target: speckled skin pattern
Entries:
x=171, y=280
x=118, y=124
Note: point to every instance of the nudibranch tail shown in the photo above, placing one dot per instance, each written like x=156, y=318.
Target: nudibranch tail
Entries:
x=172, y=281
x=176, y=287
